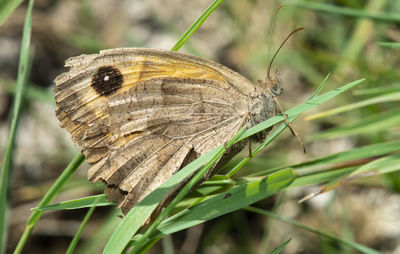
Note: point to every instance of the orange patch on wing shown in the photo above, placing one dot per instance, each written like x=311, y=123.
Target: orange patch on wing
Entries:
x=152, y=67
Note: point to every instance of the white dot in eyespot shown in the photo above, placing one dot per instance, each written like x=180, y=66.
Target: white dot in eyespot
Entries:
x=106, y=78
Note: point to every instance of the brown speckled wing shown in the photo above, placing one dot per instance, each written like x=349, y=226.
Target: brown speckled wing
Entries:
x=139, y=114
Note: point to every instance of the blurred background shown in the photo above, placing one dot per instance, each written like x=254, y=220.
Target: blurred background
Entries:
x=366, y=210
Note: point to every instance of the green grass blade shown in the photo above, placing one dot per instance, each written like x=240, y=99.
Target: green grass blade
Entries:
x=92, y=201
x=332, y=9
x=7, y=7
x=385, y=165
x=280, y=248
x=372, y=124
x=196, y=25
x=324, y=234
x=23, y=68
x=395, y=45
x=369, y=151
x=375, y=100
x=319, y=177
x=74, y=242
x=50, y=195
x=377, y=90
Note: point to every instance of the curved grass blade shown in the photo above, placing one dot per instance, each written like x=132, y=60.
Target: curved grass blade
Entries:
x=23, y=69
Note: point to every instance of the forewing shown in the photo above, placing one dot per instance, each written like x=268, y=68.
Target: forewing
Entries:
x=138, y=114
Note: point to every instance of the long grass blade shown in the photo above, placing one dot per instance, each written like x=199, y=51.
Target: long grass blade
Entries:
x=23, y=68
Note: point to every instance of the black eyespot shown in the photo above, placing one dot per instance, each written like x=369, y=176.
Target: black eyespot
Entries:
x=107, y=80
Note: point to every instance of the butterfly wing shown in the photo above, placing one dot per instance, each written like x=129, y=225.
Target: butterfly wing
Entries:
x=141, y=114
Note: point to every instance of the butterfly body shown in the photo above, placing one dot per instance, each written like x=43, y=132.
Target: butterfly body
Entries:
x=140, y=115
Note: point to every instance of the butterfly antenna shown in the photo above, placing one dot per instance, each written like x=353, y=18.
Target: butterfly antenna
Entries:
x=271, y=30
x=277, y=51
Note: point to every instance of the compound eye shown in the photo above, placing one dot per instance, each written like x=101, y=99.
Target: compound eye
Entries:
x=276, y=87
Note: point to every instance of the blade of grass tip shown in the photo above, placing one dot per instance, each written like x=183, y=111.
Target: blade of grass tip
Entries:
x=289, y=221
x=21, y=80
x=7, y=7
x=196, y=24
x=190, y=185
x=322, y=85
x=280, y=248
x=75, y=240
x=50, y=195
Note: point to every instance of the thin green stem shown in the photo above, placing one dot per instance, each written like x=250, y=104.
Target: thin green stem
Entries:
x=50, y=195
x=196, y=25
x=75, y=240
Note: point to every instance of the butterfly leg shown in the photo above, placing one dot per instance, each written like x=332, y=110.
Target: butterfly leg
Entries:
x=250, y=149
x=289, y=125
